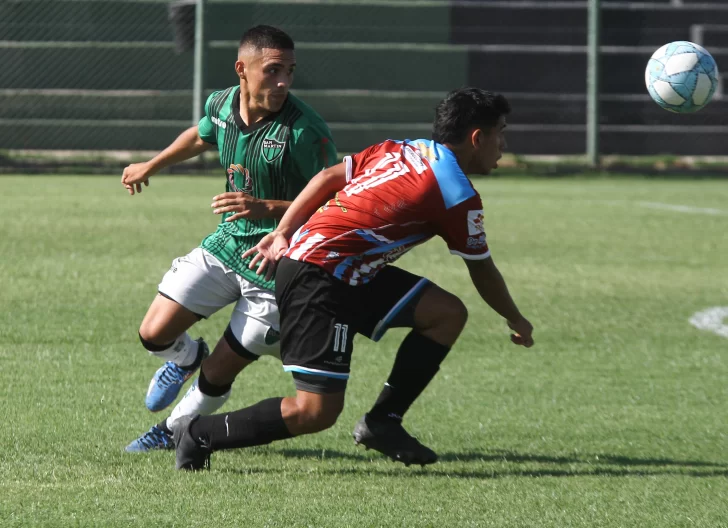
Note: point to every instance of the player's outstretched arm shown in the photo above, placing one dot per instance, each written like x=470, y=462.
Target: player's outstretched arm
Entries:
x=274, y=245
x=243, y=205
x=492, y=288
x=187, y=145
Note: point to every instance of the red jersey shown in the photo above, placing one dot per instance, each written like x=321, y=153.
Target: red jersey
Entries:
x=399, y=194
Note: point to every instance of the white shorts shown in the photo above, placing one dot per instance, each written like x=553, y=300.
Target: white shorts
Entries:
x=202, y=284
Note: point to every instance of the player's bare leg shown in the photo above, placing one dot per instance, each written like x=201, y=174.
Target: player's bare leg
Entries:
x=439, y=317
x=163, y=333
x=165, y=321
x=265, y=422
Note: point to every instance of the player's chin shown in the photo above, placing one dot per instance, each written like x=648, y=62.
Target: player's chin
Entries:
x=276, y=102
x=488, y=168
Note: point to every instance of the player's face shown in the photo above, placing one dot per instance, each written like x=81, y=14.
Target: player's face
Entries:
x=490, y=146
x=269, y=75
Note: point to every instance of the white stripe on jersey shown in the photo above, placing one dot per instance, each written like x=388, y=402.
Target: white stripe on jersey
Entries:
x=482, y=256
x=347, y=162
x=377, y=236
x=308, y=243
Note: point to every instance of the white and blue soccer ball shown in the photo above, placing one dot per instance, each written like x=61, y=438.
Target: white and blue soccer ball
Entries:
x=681, y=77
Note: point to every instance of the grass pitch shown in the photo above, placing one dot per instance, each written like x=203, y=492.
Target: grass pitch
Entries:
x=617, y=417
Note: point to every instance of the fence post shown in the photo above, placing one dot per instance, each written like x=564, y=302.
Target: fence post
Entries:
x=198, y=81
x=592, y=84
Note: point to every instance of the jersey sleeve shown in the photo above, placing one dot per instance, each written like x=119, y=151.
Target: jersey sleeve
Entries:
x=462, y=229
x=205, y=128
x=313, y=151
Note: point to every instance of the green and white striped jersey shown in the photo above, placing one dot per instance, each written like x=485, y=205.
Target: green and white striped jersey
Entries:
x=272, y=159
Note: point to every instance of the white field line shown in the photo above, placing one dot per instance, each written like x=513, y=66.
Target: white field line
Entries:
x=712, y=320
x=621, y=203
x=684, y=208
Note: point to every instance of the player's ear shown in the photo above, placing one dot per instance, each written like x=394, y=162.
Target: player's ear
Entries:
x=476, y=137
x=240, y=69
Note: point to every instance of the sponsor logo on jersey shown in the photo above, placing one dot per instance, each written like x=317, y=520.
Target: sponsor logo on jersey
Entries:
x=427, y=152
x=272, y=149
x=219, y=122
x=475, y=223
x=395, y=253
x=244, y=178
x=477, y=242
x=415, y=160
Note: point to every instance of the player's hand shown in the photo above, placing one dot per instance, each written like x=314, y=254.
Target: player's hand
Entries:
x=240, y=203
x=134, y=175
x=267, y=253
x=522, y=332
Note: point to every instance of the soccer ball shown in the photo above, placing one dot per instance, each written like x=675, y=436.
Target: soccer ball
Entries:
x=681, y=77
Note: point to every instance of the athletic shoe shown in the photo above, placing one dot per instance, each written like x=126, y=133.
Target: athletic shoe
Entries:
x=190, y=456
x=152, y=440
x=169, y=378
x=389, y=438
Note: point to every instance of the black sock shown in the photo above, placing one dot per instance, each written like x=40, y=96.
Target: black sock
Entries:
x=151, y=347
x=210, y=389
x=418, y=360
x=258, y=424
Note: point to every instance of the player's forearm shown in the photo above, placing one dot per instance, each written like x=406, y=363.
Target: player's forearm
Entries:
x=318, y=190
x=187, y=145
x=277, y=208
x=493, y=289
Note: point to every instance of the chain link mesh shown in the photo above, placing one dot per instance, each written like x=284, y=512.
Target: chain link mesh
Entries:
x=86, y=76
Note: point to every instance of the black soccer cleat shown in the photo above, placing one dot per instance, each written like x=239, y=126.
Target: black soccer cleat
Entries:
x=389, y=438
x=191, y=455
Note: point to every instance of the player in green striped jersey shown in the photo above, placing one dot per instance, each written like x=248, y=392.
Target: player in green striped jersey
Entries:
x=270, y=145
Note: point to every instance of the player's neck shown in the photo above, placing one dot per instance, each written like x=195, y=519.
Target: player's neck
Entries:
x=462, y=157
x=250, y=113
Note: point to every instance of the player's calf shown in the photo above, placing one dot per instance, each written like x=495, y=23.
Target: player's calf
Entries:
x=310, y=413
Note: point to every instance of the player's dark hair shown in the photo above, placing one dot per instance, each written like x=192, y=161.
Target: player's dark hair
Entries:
x=266, y=37
x=465, y=109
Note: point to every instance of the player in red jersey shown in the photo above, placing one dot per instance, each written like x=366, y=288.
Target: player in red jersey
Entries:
x=334, y=279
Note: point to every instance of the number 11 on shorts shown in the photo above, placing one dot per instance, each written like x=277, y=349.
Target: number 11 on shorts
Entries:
x=340, y=331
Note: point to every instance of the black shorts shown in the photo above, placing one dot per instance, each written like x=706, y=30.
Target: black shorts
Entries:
x=320, y=315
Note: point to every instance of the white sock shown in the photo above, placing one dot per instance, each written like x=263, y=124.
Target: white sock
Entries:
x=183, y=351
x=195, y=402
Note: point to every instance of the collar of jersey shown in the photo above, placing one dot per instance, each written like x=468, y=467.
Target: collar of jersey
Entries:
x=242, y=126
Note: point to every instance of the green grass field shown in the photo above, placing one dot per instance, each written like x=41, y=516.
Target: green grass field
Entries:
x=617, y=417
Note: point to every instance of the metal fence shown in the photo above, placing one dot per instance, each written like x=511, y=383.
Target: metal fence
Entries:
x=89, y=79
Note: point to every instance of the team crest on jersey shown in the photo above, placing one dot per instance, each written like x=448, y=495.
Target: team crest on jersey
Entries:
x=272, y=149
x=244, y=177
x=272, y=337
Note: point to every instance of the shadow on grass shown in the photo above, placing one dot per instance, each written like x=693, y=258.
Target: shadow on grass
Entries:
x=500, y=464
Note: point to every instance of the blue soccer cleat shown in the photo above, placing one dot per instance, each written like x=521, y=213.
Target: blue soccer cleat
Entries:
x=152, y=440
x=168, y=380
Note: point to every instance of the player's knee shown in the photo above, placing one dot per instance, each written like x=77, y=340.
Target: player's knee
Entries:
x=454, y=313
x=441, y=311
x=150, y=340
x=152, y=334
